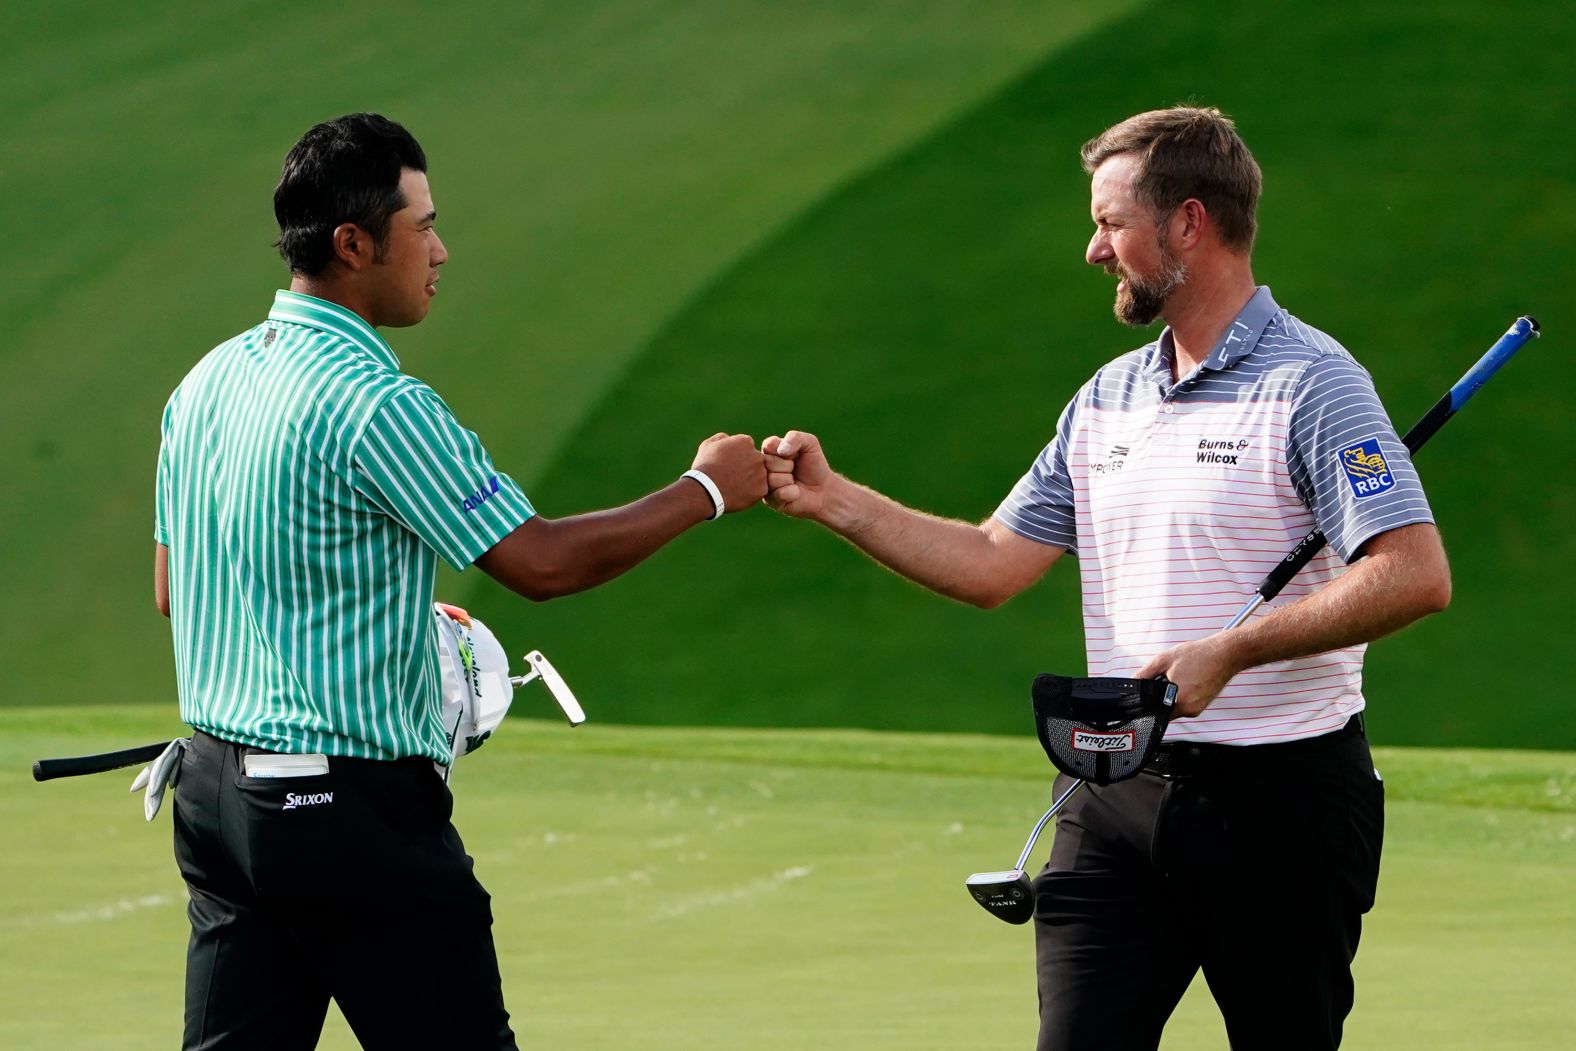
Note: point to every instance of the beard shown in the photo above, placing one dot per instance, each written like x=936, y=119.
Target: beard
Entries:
x=1144, y=296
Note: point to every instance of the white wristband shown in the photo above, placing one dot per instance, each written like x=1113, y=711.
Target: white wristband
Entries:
x=711, y=490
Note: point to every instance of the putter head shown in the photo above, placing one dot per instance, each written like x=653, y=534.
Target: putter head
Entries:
x=542, y=668
x=1005, y=895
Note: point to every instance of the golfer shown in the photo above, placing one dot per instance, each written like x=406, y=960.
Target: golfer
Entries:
x=1179, y=475
x=307, y=488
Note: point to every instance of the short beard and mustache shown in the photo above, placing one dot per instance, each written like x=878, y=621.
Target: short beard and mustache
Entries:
x=1144, y=297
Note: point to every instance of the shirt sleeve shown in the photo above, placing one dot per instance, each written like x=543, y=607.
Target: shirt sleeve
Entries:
x=433, y=476
x=1348, y=463
x=1040, y=506
x=161, y=482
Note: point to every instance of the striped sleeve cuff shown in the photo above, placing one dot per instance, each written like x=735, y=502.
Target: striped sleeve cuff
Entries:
x=433, y=476
x=1346, y=459
x=1041, y=507
x=1035, y=522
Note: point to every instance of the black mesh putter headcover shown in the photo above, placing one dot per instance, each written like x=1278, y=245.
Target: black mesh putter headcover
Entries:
x=1101, y=730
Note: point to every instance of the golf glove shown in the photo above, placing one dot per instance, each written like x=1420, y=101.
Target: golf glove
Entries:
x=160, y=774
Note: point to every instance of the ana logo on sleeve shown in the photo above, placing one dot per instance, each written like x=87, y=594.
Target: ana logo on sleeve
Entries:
x=482, y=495
x=1365, y=468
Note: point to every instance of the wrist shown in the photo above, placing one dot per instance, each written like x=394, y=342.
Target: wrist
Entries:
x=1238, y=650
x=840, y=509
x=713, y=494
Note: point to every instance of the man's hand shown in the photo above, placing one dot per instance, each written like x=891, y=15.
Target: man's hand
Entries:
x=737, y=468
x=1200, y=670
x=797, y=474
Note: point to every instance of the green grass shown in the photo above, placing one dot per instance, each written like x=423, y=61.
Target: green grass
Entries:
x=700, y=889
x=931, y=319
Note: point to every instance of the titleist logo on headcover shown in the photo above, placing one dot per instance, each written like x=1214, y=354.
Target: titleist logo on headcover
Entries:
x=1090, y=741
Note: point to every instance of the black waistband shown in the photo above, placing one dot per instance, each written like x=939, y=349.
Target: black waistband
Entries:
x=215, y=741
x=1176, y=759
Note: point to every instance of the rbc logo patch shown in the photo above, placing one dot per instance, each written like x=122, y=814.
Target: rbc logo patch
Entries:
x=1366, y=469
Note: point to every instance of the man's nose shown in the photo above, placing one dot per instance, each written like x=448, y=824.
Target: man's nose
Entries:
x=440, y=254
x=1099, y=251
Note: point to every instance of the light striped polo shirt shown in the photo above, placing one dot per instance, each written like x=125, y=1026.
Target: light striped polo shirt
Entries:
x=306, y=489
x=1179, y=498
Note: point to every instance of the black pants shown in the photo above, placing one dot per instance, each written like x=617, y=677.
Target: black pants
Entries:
x=350, y=885
x=1254, y=864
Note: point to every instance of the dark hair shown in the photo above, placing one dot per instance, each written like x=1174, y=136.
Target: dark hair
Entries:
x=345, y=170
x=1183, y=152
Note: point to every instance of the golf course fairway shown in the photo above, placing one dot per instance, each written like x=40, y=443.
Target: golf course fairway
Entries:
x=688, y=889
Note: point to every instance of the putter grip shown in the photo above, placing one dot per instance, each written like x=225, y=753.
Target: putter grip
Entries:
x=76, y=765
x=1292, y=564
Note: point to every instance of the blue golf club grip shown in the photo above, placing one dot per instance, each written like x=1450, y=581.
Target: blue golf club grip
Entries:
x=1517, y=336
x=1513, y=340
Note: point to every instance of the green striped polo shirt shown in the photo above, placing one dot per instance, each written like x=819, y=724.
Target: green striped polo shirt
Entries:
x=306, y=489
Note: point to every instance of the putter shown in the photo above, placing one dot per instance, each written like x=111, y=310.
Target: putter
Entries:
x=1008, y=895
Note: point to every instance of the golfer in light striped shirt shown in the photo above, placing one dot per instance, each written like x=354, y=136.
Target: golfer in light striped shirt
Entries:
x=1179, y=475
x=306, y=490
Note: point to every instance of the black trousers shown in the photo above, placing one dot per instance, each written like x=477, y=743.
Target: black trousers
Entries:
x=1255, y=865
x=350, y=885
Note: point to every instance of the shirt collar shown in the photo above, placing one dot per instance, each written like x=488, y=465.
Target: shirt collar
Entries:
x=1236, y=343
x=298, y=309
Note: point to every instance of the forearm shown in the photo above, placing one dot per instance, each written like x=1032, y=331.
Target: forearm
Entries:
x=161, y=578
x=947, y=556
x=546, y=559
x=983, y=564
x=1380, y=594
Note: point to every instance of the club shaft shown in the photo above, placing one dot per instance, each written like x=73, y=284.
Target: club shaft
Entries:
x=76, y=765
x=1056, y=806
x=1247, y=611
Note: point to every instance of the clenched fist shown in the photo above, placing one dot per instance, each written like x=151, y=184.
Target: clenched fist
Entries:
x=797, y=473
x=736, y=466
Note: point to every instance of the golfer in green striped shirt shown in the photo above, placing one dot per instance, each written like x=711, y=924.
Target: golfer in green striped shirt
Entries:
x=306, y=489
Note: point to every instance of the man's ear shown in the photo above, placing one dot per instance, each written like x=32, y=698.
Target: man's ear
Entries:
x=1188, y=223
x=353, y=246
